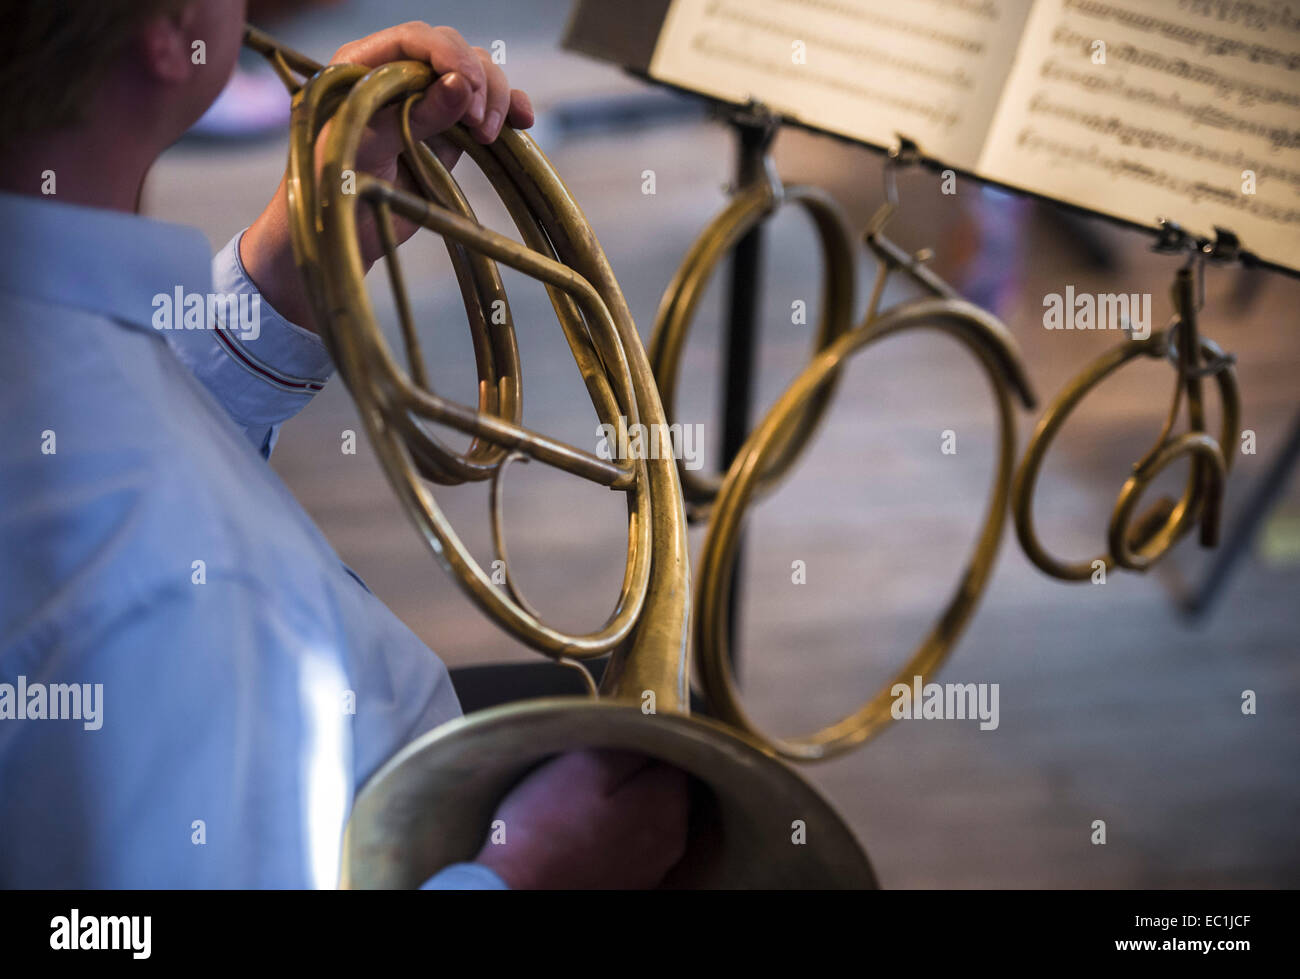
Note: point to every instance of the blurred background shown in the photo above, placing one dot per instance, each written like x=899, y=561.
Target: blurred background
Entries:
x=1114, y=704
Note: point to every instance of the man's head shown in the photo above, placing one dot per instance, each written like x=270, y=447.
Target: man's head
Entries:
x=126, y=76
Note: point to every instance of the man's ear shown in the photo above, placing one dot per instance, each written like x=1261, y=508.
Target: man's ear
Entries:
x=166, y=44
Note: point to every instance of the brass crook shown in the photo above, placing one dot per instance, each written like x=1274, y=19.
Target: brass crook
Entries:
x=1138, y=543
x=750, y=205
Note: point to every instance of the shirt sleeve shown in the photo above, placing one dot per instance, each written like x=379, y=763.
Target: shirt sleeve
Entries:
x=260, y=367
x=465, y=877
x=214, y=751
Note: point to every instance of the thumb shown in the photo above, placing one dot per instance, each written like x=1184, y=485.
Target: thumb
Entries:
x=440, y=107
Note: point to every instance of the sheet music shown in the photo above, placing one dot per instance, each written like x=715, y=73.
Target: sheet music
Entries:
x=1196, y=105
x=930, y=69
x=1140, y=109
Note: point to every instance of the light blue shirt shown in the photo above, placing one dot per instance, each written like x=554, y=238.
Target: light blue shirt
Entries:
x=225, y=684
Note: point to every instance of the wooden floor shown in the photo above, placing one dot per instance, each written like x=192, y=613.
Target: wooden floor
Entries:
x=1112, y=706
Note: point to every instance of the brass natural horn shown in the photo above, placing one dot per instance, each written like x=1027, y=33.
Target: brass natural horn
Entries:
x=791, y=422
x=431, y=805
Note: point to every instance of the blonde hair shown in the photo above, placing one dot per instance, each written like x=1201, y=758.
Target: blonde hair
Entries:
x=53, y=53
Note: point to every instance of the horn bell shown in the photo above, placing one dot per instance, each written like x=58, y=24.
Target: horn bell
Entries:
x=432, y=803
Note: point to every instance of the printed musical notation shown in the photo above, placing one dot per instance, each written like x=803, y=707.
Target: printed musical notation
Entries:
x=1132, y=108
x=932, y=69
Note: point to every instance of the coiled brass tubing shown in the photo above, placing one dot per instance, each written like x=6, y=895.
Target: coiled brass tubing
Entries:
x=790, y=423
x=1137, y=544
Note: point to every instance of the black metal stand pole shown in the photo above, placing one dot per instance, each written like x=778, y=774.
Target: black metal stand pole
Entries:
x=754, y=131
x=1261, y=500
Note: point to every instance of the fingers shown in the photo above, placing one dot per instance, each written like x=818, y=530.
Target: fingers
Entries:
x=442, y=106
x=489, y=104
x=662, y=785
x=661, y=794
x=441, y=47
x=449, y=100
x=521, y=110
x=606, y=768
x=497, y=103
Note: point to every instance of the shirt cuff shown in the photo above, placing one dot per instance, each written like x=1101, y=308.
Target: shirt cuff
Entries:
x=260, y=367
x=465, y=877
